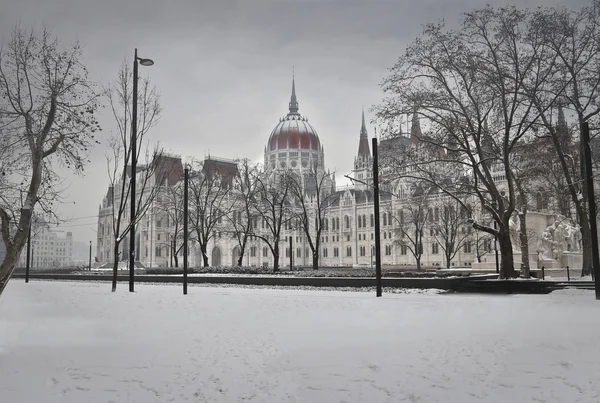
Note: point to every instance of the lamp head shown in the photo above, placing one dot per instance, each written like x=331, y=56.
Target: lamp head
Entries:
x=145, y=62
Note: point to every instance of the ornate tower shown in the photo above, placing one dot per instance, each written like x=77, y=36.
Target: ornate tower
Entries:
x=363, y=162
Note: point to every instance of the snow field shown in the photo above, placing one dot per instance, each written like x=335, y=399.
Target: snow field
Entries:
x=76, y=342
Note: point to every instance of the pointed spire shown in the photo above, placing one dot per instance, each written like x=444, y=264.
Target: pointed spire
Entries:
x=562, y=122
x=363, y=145
x=363, y=128
x=293, y=100
x=562, y=130
x=415, y=129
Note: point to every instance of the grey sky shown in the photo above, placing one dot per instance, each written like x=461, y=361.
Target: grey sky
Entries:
x=224, y=69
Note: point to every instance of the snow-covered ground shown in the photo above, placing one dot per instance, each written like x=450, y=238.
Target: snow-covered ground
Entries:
x=78, y=342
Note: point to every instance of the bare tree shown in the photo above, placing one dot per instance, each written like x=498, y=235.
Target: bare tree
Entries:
x=245, y=197
x=470, y=88
x=313, y=195
x=47, y=120
x=573, y=37
x=210, y=203
x=449, y=226
x=411, y=220
x=170, y=205
x=120, y=98
x=274, y=210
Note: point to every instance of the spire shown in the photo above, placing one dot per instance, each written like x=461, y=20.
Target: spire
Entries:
x=363, y=144
x=562, y=122
x=293, y=100
x=562, y=130
x=363, y=128
x=415, y=129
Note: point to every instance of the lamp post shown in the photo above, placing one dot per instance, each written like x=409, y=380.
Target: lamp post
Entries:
x=28, y=264
x=143, y=62
x=185, y=229
x=291, y=254
x=90, y=262
x=376, y=205
x=589, y=177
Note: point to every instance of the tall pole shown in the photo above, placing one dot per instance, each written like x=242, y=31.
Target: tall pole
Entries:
x=376, y=203
x=291, y=254
x=589, y=177
x=496, y=249
x=185, y=229
x=172, y=247
x=90, y=266
x=133, y=171
x=27, y=264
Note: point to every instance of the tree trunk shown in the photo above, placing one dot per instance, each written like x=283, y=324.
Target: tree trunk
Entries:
x=176, y=259
x=507, y=265
x=315, y=261
x=115, y=266
x=276, y=257
x=586, y=243
x=240, y=259
x=204, y=255
x=8, y=266
x=418, y=260
x=448, y=261
x=524, y=239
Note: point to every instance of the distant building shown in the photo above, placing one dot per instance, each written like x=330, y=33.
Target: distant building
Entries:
x=49, y=249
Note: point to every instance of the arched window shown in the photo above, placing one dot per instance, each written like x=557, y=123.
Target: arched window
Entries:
x=372, y=219
x=347, y=221
x=337, y=223
x=384, y=219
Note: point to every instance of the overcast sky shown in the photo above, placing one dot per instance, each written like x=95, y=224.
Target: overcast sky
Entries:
x=224, y=69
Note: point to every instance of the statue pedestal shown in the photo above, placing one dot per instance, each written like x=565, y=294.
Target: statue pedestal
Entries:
x=548, y=264
x=572, y=259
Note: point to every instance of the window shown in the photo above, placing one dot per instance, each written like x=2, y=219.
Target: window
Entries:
x=324, y=252
x=388, y=250
x=384, y=219
x=359, y=222
x=385, y=235
x=337, y=223
x=372, y=220
x=306, y=253
x=347, y=221
x=265, y=251
x=467, y=247
x=158, y=223
x=403, y=249
x=336, y=252
x=347, y=238
x=287, y=252
x=390, y=218
x=298, y=252
x=348, y=251
x=435, y=248
x=253, y=251
x=158, y=237
x=363, y=250
x=157, y=252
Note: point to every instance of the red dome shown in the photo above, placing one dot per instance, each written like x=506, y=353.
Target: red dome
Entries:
x=293, y=132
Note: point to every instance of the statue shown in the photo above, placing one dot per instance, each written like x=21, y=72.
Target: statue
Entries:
x=514, y=229
x=562, y=236
x=547, y=248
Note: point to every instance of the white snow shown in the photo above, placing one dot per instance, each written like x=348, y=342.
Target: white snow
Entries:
x=78, y=342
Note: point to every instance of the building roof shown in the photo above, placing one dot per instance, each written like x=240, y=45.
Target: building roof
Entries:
x=293, y=131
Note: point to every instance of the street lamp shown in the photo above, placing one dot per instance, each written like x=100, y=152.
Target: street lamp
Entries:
x=143, y=62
